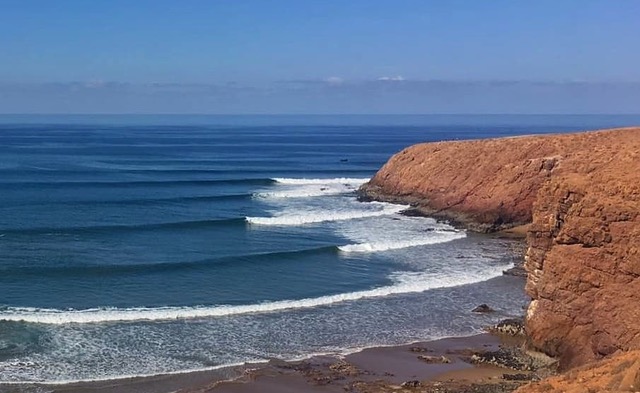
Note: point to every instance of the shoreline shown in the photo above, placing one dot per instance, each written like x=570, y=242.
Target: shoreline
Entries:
x=375, y=368
x=243, y=376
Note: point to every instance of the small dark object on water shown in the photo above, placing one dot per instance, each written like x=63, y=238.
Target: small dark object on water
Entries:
x=344, y=160
x=483, y=308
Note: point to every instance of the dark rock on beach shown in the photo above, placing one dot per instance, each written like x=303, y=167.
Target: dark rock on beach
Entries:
x=519, y=377
x=434, y=359
x=483, y=308
x=509, y=327
x=505, y=358
x=420, y=349
x=411, y=384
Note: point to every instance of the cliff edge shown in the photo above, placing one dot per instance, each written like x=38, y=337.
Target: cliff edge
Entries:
x=580, y=193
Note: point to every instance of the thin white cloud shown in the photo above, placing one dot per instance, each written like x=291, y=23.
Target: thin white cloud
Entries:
x=334, y=80
x=396, y=78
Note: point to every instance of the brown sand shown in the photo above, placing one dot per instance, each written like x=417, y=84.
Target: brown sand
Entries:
x=379, y=369
x=370, y=370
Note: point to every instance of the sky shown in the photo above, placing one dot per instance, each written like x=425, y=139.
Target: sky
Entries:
x=319, y=57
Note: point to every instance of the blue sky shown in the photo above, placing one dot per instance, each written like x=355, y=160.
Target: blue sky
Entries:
x=312, y=56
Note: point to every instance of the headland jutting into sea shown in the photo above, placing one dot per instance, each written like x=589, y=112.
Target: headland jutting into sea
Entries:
x=577, y=198
x=580, y=195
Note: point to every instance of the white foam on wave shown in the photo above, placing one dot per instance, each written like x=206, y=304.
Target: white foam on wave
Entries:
x=304, y=181
x=306, y=188
x=403, y=282
x=7, y=367
x=307, y=191
x=311, y=217
x=429, y=238
x=394, y=233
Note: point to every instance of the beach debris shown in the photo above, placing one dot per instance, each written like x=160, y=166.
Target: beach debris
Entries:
x=483, y=308
x=434, y=359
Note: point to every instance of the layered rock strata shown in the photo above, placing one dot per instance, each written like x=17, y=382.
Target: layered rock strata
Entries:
x=581, y=194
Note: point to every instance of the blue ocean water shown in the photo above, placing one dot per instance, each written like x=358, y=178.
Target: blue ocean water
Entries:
x=141, y=245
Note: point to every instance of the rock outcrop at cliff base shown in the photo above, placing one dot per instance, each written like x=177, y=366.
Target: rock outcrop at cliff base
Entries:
x=581, y=194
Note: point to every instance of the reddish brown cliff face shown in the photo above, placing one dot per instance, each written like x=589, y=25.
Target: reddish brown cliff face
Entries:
x=583, y=258
x=486, y=184
x=619, y=374
x=582, y=194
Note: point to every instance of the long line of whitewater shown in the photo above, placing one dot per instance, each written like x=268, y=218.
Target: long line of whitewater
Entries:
x=403, y=283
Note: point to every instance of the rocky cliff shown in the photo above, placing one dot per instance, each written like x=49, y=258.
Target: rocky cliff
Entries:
x=581, y=194
x=621, y=373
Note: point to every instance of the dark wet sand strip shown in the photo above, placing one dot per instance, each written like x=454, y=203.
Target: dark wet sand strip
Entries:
x=370, y=370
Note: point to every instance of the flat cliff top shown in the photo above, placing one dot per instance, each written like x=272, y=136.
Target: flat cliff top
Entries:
x=492, y=184
x=579, y=192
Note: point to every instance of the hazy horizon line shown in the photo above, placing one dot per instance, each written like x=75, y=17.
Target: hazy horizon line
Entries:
x=314, y=114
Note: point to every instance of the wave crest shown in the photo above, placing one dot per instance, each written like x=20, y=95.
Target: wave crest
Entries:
x=305, y=181
x=435, y=238
x=404, y=282
x=307, y=191
x=323, y=216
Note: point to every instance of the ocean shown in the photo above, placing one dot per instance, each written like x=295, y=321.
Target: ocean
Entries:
x=144, y=245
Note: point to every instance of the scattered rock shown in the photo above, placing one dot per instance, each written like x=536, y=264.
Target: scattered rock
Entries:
x=500, y=358
x=509, y=327
x=483, y=308
x=420, y=349
x=411, y=384
x=321, y=380
x=518, y=377
x=343, y=368
x=434, y=359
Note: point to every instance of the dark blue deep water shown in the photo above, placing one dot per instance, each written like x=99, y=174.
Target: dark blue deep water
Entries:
x=140, y=245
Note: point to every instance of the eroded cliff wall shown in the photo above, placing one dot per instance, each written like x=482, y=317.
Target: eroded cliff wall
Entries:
x=581, y=192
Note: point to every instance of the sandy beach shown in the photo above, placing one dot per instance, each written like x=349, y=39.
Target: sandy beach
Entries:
x=444, y=364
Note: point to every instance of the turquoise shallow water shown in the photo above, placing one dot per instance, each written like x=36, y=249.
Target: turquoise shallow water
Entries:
x=138, y=245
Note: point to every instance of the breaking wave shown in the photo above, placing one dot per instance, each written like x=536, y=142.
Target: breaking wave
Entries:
x=403, y=282
x=324, y=216
x=304, y=181
x=434, y=238
x=307, y=188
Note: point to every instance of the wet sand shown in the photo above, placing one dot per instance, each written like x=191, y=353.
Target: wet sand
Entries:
x=378, y=369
